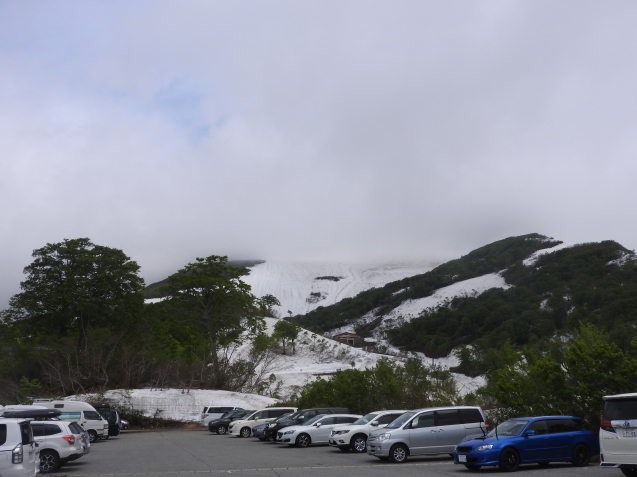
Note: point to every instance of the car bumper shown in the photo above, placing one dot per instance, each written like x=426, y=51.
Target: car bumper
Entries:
x=378, y=449
x=488, y=457
x=338, y=442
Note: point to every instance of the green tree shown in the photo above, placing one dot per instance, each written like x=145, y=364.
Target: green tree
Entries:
x=74, y=286
x=210, y=294
x=287, y=332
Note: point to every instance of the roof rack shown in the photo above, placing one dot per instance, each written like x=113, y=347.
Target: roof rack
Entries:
x=33, y=414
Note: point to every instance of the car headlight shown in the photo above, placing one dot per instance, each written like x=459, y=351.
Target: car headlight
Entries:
x=339, y=433
x=288, y=432
x=383, y=437
x=484, y=447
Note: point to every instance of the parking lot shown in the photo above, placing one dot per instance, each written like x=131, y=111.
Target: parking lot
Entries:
x=166, y=453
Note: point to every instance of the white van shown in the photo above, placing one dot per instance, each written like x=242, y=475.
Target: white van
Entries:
x=243, y=427
x=618, y=433
x=82, y=413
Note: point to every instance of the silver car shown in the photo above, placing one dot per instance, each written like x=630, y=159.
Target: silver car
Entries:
x=434, y=430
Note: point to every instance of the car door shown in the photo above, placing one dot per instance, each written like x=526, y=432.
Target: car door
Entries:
x=561, y=437
x=450, y=429
x=535, y=447
x=31, y=463
x=422, y=433
x=321, y=434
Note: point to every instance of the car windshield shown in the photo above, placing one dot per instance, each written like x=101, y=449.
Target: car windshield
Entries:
x=401, y=420
x=365, y=419
x=283, y=417
x=309, y=422
x=509, y=428
x=247, y=418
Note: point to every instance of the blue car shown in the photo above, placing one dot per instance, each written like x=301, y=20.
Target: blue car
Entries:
x=526, y=440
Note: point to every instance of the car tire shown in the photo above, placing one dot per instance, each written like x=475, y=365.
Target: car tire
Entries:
x=581, y=456
x=92, y=436
x=221, y=429
x=629, y=472
x=49, y=461
x=104, y=438
x=398, y=453
x=359, y=443
x=245, y=432
x=303, y=441
x=509, y=460
x=472, y=467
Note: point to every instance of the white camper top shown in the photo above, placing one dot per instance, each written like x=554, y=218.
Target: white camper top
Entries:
x=64, y=406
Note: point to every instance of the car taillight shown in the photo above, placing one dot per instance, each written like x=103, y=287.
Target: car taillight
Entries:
x=606, y=425
x=106, y=426
x=486, y=423
x=69, y=439
x=17, y=455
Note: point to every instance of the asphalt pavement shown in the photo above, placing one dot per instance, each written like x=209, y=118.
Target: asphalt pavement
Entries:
x=187, y=452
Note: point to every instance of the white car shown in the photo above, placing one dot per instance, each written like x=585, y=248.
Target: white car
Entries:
x=19, y=454
x=243, y=427
x=60, y=442
x=354, y=436
x=618, y=433
x=215, y=412
x=313, y=431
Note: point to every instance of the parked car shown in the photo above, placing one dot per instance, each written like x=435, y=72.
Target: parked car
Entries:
x=618, y=433
x=526, y=440
x=19, y=454
x=59, y=442
x=215, y=412
x=220, y=426
x=300, y=417
x=313, y=431
x=125, y=424
x=82, y=413
x=114, y=421
x=426, y=431
x=243, y=427
x=354, y=436
x=259, y=431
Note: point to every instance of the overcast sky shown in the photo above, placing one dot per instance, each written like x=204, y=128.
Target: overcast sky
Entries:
x=314, y=130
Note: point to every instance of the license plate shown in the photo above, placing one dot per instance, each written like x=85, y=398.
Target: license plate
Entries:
x=462, y=458
x=630, y=433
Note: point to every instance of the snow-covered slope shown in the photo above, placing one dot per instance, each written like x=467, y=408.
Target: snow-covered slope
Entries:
x=297, y=287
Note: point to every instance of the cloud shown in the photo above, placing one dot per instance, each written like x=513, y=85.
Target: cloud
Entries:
x=314, y=130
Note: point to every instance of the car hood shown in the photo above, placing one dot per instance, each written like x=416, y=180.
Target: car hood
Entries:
x=296, y=428
x=220, y=421
x=351, y=427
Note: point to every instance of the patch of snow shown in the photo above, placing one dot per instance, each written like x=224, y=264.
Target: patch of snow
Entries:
x=623, y=258
x=293, y=283
x=466, y=288
x=179, y=404
x=532, y=259
x=153, y=300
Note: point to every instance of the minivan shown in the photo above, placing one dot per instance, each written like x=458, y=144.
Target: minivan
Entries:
x=82, y=413
x=618, y=433
x=434, y=430
x=243, y=427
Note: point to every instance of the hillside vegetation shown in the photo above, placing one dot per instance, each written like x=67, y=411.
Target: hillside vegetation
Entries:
x=488, y=259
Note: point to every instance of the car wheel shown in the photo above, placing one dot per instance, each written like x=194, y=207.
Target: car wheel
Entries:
x=303, y=440
x=221, y=429
x=629, y=472
x=581, y=456
x=509, y=460
x=49, y=461
x=359, y=443
x=398, y=454
x=104, y=438
x=92, y=436
x=245, y=432
x=472, y=467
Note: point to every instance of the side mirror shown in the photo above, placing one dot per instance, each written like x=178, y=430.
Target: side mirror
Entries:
x=375, y=423
x=529, y=433
x=318, y=424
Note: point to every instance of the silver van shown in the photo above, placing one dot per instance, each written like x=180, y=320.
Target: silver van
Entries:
x=434, y=430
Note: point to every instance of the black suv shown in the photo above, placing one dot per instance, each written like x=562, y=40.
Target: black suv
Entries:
x=299, y=417
x=112, y=416
x=220, y=426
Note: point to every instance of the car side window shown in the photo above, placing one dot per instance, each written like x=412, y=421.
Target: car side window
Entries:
x=386, y=419
x=3, y=434
x=448, y=418
x=345, y=420
x=259, y=415
x=564, y=425
x=38, y=430
x=71, y=416
x=307, y=415
x=27, y=435
x=92, y=416
x=539, y=427
x=423, y=420
x=51, y=429
x=470, y=416
x=328, y=421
